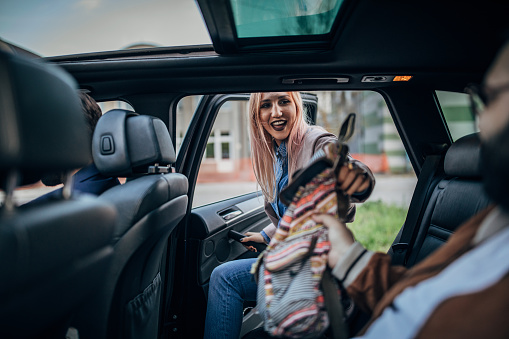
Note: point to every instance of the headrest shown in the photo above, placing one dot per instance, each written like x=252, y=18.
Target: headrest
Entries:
x=42, y=125
x=463, y=157
x=125, y=143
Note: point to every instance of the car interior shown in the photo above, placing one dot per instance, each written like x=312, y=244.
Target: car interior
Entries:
x=54, y=254
x=135, y=261
x=150, y=205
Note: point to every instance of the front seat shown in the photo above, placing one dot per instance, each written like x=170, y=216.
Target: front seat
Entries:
x=150, y=205
x=53, y=255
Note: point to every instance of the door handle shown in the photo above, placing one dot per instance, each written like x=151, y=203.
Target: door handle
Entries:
x=230, y=213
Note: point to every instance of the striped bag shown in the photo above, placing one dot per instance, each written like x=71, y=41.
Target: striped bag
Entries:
x=290, y=270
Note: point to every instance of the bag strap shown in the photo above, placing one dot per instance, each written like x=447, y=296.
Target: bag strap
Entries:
x=415, y=211
x=333, y=306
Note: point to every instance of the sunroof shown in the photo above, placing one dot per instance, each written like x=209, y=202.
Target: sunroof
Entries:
x=269, y=18
x=62, y=27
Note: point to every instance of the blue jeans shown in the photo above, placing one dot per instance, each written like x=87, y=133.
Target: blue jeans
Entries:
x=230, y=285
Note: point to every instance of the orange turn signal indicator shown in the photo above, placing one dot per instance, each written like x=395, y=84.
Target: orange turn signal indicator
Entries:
x=402, y=78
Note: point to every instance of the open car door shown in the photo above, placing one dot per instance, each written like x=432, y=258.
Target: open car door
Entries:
x=224, y=196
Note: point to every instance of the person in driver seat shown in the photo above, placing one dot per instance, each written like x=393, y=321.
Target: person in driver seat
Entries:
x=462, y=289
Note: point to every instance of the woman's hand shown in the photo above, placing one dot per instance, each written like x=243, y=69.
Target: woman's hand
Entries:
x=253, y=236
x=352, y=179
x=340, y=236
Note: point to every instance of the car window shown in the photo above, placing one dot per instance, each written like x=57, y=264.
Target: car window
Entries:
x=114, y=104
x=185, y=110
x=226, y=169
x=51, y=28
x=456, y=109
x=376, y=141
x=265, y=18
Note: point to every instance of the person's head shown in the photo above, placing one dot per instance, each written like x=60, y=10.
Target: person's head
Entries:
x=91, y=110
x=275, y=113
x=92, y=113
x=274, y=117
x=494, y=129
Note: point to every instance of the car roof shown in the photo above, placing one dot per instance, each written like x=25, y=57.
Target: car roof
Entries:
x=442, y=44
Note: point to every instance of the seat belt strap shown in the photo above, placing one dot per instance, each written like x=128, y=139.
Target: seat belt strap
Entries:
x=416, y=210
x=333, y=306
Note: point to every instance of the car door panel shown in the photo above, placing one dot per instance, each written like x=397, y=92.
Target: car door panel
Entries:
x=209, y=230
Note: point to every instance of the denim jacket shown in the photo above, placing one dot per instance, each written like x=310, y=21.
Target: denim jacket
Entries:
x=281, y=171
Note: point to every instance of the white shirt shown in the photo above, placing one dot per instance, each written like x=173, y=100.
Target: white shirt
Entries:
x=474, y=271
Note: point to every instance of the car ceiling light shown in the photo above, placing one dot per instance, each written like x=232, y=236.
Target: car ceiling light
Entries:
x=377, y=78
x=315, y=80
x=385, y=78
x=402, y=78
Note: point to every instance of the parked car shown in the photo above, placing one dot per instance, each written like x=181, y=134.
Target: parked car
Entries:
x=417, y=57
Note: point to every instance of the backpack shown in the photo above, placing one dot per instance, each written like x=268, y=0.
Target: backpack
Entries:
x=292, y=271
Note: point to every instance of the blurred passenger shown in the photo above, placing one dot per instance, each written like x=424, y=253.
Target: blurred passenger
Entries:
x=87, y=179
x=462, y=289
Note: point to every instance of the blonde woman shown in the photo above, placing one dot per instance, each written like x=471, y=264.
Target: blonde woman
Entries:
x=281, y=142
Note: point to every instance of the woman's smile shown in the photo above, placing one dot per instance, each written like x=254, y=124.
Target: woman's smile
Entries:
x=279, y=125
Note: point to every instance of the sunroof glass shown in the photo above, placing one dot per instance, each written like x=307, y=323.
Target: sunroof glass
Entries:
x=271, y=18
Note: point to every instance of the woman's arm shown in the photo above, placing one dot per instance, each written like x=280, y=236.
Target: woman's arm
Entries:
x=359, y=180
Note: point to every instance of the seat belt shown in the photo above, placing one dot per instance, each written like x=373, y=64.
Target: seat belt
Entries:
x=333, y=306
x=415, y=211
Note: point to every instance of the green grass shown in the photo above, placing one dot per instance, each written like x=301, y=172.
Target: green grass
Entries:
x=377, y=224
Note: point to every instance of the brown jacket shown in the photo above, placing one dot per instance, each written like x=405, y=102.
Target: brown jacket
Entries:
x=479, y=315
x=315, y=139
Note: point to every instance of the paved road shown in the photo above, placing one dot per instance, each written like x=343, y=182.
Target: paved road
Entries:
x=389, y=188
x=393, y=189
x=24, y=195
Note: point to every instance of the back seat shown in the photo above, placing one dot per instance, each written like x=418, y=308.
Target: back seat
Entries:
x=456, y=198
x=457, y=194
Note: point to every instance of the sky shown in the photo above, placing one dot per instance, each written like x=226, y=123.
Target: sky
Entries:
x=62, y=27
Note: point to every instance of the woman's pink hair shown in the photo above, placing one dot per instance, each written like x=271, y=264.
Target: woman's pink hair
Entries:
x=262, y=144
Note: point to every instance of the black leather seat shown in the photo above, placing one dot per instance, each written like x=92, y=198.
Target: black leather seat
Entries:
x=456, y=198
x=53, y=255
x=150, y=204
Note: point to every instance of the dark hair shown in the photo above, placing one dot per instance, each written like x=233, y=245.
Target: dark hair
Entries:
x=91, y=110
x=92, y=113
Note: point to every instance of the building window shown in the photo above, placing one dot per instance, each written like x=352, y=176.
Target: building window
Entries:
x=225, y=150
x=209, y=151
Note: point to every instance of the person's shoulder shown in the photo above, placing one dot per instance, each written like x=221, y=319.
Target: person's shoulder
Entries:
x=86, y=172
x=316, y=132
x=319, y=132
